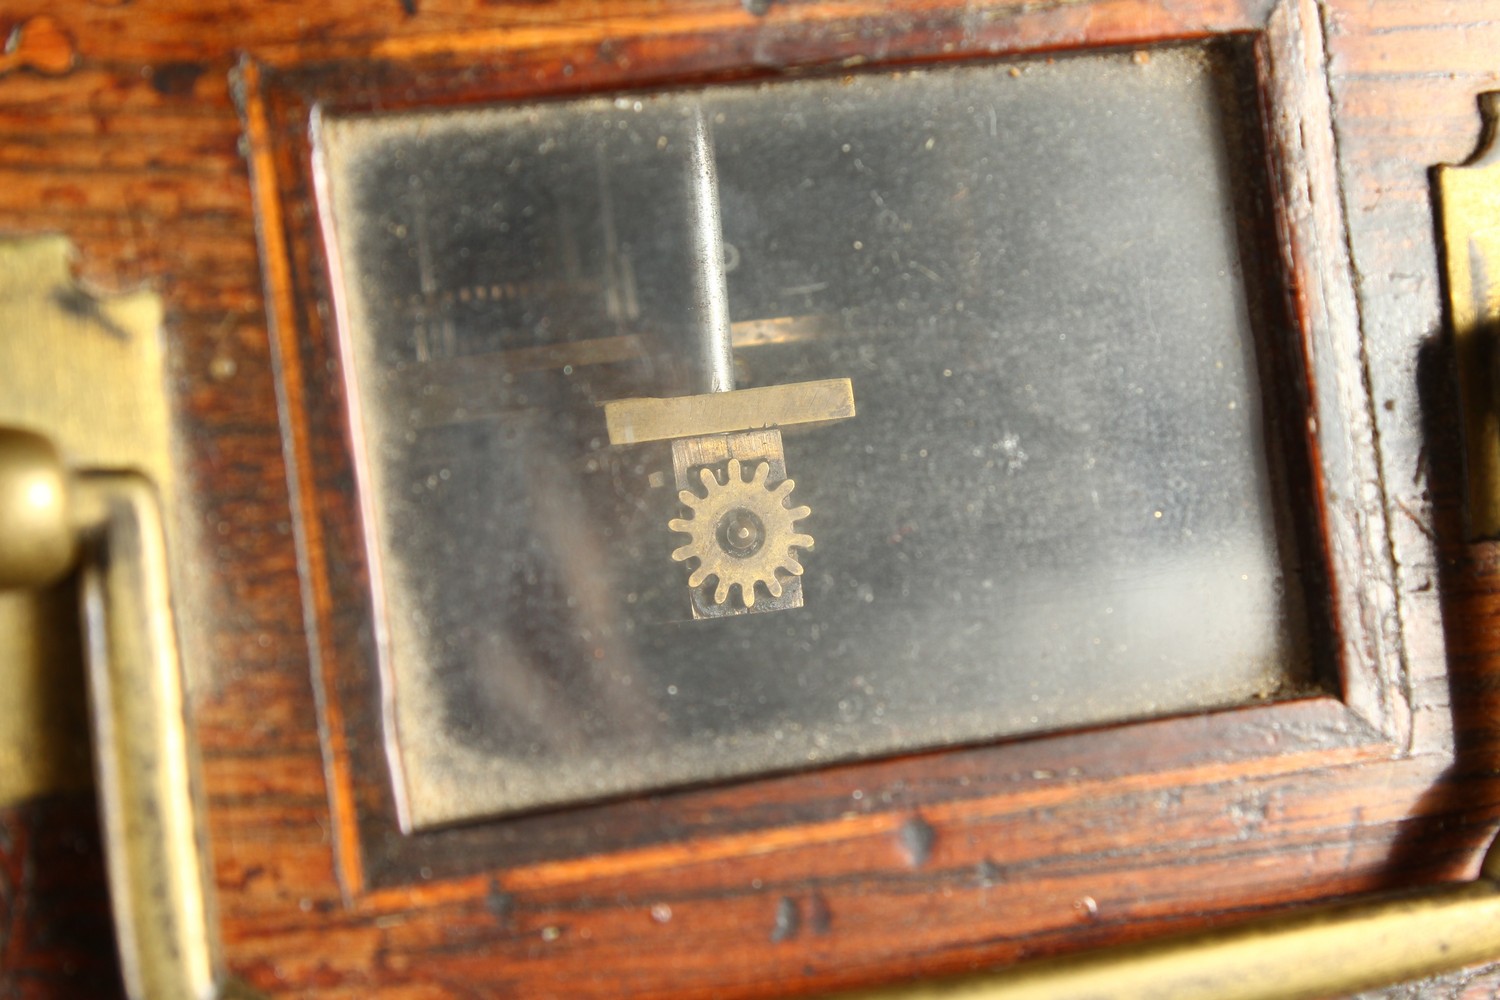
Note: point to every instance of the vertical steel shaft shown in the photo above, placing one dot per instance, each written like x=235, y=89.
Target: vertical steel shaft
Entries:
x=710, y=287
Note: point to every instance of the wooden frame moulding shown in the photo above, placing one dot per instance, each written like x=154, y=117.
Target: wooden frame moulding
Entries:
x=999, y=813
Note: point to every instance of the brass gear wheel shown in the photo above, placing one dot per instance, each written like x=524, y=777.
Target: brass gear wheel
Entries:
x=741, y=532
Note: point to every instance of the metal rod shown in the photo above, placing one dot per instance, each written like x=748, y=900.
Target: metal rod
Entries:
x=710, y=286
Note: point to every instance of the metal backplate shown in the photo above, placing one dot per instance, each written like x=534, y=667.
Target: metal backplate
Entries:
x=88, y=372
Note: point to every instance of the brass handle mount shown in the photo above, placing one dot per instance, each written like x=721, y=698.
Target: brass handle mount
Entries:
x=109, y=525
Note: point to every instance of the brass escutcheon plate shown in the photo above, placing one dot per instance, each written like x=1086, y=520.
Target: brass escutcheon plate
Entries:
x=88, y=372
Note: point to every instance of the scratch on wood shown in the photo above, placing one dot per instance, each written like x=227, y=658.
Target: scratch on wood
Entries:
x=499, y=904
x=788, y=920
x=917, y=837
x=819, y=916
x=1421, y=524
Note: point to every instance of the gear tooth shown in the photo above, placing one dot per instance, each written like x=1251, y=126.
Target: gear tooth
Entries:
x=783, y=489
x=684, y=553
x=734, y=472
x=678, y=524
x=774, y=586
x=747, y=591
x=761, y=472
x=792, y=566
x=710, y=480
x=699, y=575
x=689, y=498
x=721, y=592
x=798, y=513
x=801, y=541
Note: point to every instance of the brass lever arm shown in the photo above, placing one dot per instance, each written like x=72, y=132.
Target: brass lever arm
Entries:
x=157, y=861
x=157, y=864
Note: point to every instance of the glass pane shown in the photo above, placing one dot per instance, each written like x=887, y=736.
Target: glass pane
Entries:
x=1052, y=508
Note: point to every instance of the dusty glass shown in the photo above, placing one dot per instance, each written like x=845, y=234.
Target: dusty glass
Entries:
x=1053, y=507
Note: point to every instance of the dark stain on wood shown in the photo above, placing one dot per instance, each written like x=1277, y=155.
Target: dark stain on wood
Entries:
x=176, y=79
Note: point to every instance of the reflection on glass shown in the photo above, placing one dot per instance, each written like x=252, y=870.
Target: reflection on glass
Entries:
x=1053, y=507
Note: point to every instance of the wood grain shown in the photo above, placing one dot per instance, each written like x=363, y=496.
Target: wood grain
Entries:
x=132, y=145
x=56, y=939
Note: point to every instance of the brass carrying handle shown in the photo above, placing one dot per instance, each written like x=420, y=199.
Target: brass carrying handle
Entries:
x=109, y=525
